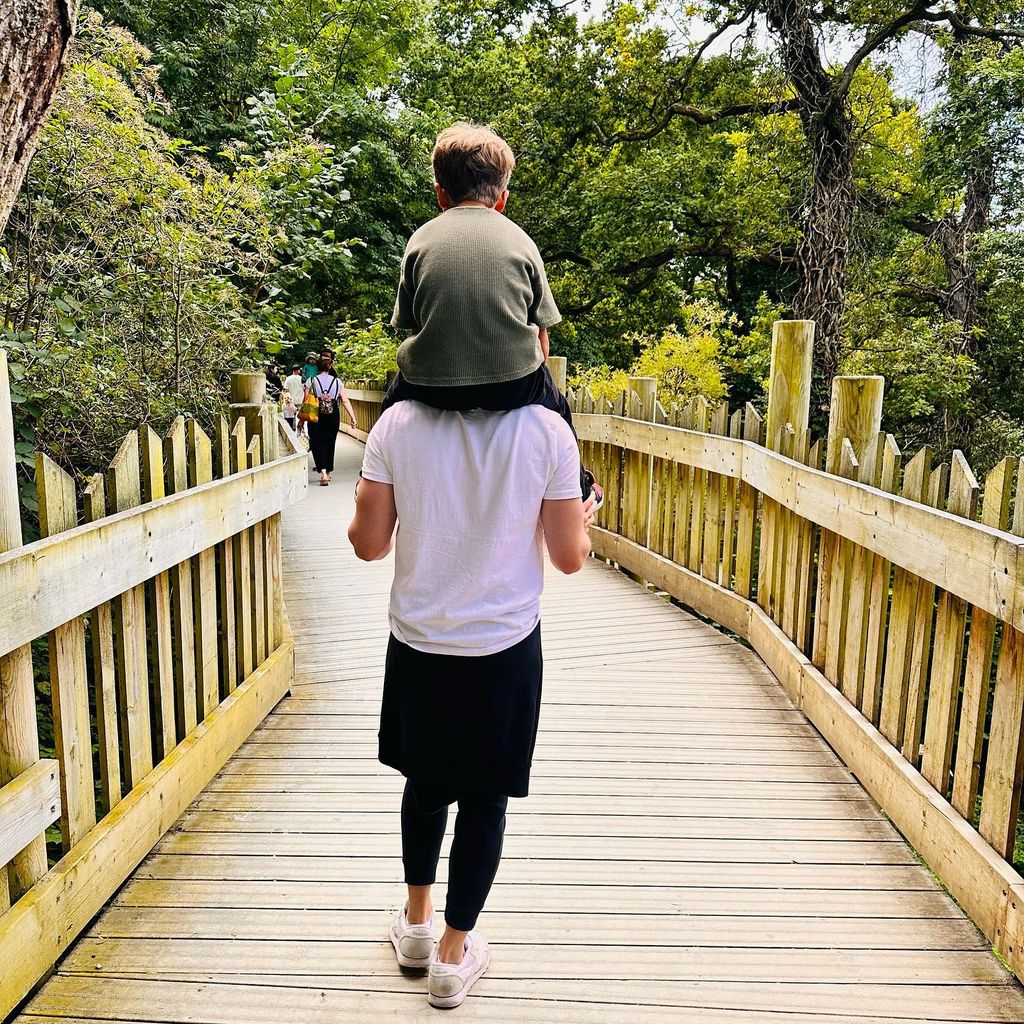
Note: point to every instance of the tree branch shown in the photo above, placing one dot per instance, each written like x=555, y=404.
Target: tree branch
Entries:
x=876, y=41
x=908, y=19
x=694, y=61
x=704, y=117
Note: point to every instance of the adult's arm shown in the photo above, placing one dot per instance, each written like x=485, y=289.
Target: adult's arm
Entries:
x=373, y=526
x=348, y=406
x=565, y=523
x=545, y=344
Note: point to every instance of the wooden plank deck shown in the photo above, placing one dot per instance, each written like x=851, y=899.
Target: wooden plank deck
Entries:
x=691, y=850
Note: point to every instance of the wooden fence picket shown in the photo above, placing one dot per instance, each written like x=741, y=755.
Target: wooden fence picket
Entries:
x=921, y=635
x=243, y=601
x=124, y=489
x=254, y=458
x=69, y=680
x=185, y=683
x=896, y=677
x=995, y=512
x=878, y=604
x=1004, y=768
x=948, y=648
x=158, y=612
x=204, y=584
x=226, y=572
x=104, y=664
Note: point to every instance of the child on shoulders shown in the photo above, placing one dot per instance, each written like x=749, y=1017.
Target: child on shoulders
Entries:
x=474, y=294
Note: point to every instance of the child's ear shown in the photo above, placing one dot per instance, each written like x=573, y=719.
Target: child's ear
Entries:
x=443, y=199
x=499, y=206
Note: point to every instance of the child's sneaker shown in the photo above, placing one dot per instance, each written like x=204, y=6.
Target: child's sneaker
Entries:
x=414, y=943
x=449, y=984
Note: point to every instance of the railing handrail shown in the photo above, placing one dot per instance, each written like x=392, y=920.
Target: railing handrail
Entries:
x=976, y=562
x=149, y=539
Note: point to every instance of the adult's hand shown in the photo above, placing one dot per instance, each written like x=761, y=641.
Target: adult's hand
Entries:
x=588, y=511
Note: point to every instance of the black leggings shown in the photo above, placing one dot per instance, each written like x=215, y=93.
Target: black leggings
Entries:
x=475, y=853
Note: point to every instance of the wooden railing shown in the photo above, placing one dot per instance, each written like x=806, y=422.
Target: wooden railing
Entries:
x=891, y=614
x=159, y=627
x=365, y=396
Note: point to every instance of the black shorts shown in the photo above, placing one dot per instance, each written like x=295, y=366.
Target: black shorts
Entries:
x=462, y=724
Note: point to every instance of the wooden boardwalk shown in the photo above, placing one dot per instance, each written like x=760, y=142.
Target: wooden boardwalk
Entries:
x=691, y=851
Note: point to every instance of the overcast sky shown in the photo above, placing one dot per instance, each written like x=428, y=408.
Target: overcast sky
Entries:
x=915, y=61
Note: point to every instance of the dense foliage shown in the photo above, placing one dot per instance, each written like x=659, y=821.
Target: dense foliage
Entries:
x=228, y=183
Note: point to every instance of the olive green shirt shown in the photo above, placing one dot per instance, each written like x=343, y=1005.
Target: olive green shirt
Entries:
x=474, y=293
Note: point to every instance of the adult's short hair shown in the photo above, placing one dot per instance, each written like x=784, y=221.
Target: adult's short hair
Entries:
x=472, y=162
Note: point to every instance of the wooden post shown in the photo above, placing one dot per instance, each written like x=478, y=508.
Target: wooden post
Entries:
x=19, y=733
x=248, y=387
x=248, y=394
x=789, y=389
x=856, y=413
x=69, y=681
x=789, y=404
x=557, y=366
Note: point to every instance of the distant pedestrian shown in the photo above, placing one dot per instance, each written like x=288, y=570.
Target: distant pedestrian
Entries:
x=327, y=389
x=294, y=391
x=273, y=382
x=328, y=353
x=309, y=368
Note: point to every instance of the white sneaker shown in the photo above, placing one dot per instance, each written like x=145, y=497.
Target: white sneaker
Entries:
x=414, y=943
x=449, y=984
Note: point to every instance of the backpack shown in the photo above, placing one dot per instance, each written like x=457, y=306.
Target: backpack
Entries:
x=327, y=400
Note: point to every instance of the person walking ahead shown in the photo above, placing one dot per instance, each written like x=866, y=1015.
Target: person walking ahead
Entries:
x=327, y=389
x=477, y=495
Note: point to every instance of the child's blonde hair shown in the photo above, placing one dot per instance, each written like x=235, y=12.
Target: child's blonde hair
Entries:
x=472, y=162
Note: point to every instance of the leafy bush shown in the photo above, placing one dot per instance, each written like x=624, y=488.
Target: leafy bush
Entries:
x=365, y=351
x=686, y=361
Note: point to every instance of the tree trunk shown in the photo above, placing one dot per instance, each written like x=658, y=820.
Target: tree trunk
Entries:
x=824, y=245
x=827, y=213
x=34, y=39
x=957, y=239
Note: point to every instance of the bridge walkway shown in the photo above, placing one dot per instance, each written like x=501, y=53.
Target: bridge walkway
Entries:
x=691, y=850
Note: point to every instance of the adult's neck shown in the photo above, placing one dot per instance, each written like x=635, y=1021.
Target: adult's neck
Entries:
x=471, y=203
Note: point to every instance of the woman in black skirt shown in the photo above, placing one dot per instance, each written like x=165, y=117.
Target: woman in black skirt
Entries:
x=329, y=392
x=478, y=496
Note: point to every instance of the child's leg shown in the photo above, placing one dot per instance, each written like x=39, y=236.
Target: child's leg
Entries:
x=548, y=395
x=511, y=394
x=398, y=391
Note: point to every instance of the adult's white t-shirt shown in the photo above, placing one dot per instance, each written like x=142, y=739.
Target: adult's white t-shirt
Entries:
x=295, y=387
x=469, y=554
